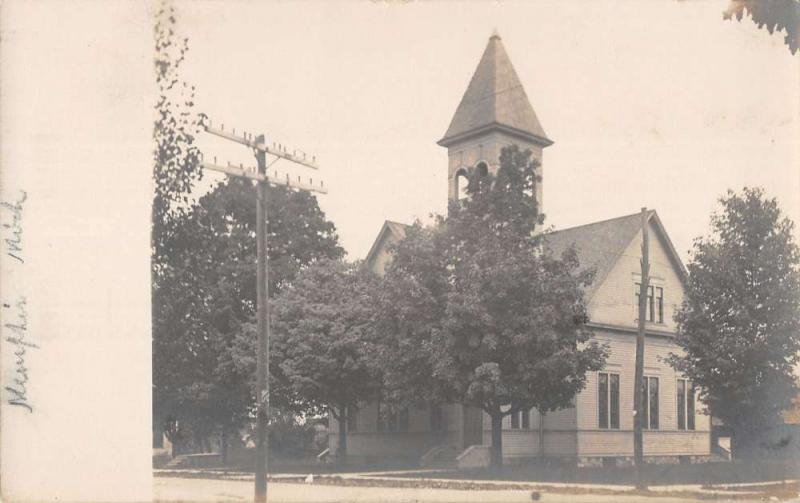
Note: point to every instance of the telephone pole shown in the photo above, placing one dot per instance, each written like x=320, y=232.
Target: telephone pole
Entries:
x=638, y=385
x=262, y=357
x=260, y=150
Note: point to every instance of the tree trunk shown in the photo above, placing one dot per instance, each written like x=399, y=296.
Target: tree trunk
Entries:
x=496, y=460
x=341, y=451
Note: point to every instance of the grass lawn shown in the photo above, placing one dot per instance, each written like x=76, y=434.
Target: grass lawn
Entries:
x=701, y=473
x=310, y=465
x=542, y=472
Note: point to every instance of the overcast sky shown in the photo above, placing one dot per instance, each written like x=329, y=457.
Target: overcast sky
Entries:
x=659, y=104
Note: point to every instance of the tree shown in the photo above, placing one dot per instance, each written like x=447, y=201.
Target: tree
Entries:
x=176, y=158
x=478, y=311
x=739, y=324
x=175, y=172
x=204, y=336
x=322, y=332
x=780, y=15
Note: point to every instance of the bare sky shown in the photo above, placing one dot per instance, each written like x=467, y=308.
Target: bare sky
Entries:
x=659, y=103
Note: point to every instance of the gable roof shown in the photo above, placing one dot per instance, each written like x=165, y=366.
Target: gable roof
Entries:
x=396, y=229
x=600, y=244
x=495, y=99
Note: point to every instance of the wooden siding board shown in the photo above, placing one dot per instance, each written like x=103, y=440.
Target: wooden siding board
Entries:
x=614, y=303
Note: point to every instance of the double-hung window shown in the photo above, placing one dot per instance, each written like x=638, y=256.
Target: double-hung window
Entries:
x=654, y=306
x=685, y=400
x=521, y=419
x=608, y=400
x=650, y=402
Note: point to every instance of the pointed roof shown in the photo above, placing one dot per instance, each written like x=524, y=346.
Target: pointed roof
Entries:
x=396, y=229
x=600, y=244
x=495, y=99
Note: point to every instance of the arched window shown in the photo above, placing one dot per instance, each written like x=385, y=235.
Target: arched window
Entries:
x=462, y=180
x=480, y=173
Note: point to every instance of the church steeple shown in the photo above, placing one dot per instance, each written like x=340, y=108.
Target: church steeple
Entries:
x=493, y=112
x=495, y=99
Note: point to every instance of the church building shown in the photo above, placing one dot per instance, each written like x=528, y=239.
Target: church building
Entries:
x=495, y=112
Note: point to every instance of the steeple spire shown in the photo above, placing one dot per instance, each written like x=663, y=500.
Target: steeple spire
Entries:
x=494, y=113
x=495, y=100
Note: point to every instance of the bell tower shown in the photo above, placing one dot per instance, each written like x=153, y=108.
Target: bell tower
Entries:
x=494, y=112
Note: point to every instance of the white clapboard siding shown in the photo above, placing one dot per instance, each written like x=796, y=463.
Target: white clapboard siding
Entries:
x=614, y=300
x=661, y=443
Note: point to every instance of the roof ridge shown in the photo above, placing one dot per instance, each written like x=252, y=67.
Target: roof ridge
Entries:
x=600, y=222
x=398, y=223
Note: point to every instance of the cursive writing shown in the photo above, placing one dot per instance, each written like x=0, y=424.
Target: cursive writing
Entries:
x=18, y=331
x=14, y=228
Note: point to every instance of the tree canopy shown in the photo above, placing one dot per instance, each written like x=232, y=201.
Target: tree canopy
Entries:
x=204, y=301
x=477, y=310
x=204, y=260
x=739, y=324
x=322, y=339
x=177, y=123
x=774, y=15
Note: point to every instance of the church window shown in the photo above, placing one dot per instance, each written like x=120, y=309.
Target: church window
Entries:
x=480, y=173
x=685, y=401
x=462, y=181
x=654, y=306
x=650, y=402
x=521, y=419
x=608, y=400
x=660, y=303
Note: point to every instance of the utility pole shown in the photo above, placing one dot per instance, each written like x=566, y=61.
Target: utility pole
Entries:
x=262, y=306
x=260, y=150
x=638, y=386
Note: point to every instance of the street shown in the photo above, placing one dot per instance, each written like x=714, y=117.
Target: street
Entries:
x=173, y=489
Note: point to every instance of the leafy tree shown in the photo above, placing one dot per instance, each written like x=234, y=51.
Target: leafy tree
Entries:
x=203, y=263
x=780, y=15
x=478, y=311
x=175, y=171
x=176, y=158
x=322, y=327
x=204, y=335
x=739, y=325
